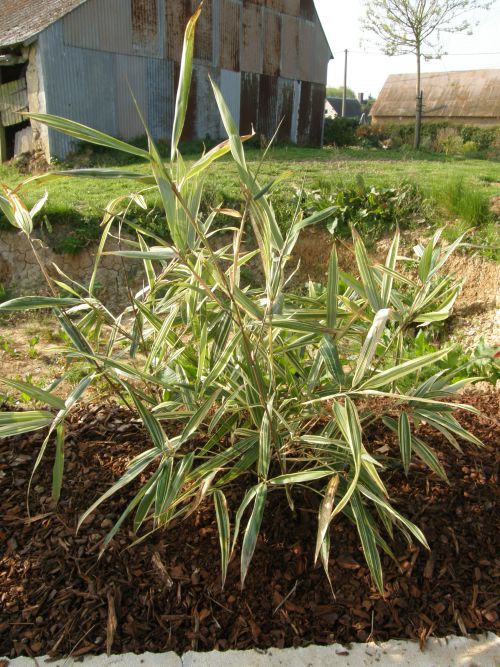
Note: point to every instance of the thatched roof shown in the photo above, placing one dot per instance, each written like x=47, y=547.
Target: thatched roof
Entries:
x=22, y=19
x=472, y=93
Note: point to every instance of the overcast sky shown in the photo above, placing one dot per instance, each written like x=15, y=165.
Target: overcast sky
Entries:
x=368, y=71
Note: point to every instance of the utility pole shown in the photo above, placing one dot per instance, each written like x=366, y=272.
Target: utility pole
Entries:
x=344, y=94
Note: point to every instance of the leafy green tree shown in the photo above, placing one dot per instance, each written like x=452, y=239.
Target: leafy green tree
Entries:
x=415, y=26
x=338, y=91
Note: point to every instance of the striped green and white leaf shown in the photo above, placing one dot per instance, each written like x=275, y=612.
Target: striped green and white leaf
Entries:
x=223, y=526
x=252, y=530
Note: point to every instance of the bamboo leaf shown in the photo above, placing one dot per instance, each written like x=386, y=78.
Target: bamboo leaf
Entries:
x=390, y=264
x=252, y=530
x=222, y=516
x=329, y=352
x=265, y=444
x=16, y=423
x=370, y=345
x=325, y=514
x=84, y=133
x=348, y=422
x=57, y=470
x=368, y=541
x=397, y=372
x=301, y=477
x=366, y=273
x=424, y=265
x=332, y=290
x=186, y=69
x=404, y=435
x=35, y=393
x=154, y=253
x=36, y=302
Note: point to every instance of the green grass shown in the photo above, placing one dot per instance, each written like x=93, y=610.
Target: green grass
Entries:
x=74, y=208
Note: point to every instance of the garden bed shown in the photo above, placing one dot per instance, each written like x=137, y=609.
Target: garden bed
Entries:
x=164, y=594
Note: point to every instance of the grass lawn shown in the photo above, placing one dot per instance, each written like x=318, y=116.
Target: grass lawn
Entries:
x=77, y=204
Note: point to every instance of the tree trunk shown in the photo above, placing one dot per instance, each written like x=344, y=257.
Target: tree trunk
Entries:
x=419, y=104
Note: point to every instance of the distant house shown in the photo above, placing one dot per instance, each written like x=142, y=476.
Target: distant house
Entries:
x=333, y=108
x=470, y=97
x=80, y=59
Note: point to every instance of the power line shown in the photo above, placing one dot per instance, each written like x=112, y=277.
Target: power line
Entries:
x=444, y=55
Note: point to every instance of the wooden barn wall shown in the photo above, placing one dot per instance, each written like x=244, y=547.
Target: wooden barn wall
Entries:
x=269, y=57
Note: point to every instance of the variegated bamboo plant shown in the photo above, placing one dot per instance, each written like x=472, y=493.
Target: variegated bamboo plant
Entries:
x=275, y=382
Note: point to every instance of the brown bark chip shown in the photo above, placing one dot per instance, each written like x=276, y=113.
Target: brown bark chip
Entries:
x=58, y=598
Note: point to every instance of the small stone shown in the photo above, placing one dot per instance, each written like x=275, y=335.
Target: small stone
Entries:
x=341, y=650
x=371, y=649
x=106, y=523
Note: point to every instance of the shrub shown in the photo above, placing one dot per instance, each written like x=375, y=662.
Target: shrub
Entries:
x=449, y=141
x=340, y=131
x=372, y=211
x=268, y=385
x=469, y=147
x=371, y=136
x=403, y=133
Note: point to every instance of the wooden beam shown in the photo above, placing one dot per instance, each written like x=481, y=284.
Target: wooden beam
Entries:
x=3, y=144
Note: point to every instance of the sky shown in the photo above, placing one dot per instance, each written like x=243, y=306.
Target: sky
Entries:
x=367, y=69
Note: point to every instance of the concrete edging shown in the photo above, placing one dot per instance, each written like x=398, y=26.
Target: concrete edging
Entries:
x=483, y=651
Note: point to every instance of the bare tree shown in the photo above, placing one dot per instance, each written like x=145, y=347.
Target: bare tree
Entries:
x=415, y=26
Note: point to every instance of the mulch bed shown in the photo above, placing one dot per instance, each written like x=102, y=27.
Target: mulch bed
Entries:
x=164, y=594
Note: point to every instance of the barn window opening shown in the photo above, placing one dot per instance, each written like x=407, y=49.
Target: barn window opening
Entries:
x=17, y=139
x=15, y=132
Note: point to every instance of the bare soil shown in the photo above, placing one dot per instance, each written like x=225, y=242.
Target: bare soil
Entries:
x=165, y=593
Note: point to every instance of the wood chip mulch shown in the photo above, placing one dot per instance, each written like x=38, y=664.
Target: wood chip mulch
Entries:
x=164, y=594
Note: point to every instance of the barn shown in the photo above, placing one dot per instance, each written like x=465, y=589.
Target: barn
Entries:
x=470, y=97
x=81, y=58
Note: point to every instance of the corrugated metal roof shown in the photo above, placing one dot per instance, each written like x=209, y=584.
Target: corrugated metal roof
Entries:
x=470, y=93
x=22, y=19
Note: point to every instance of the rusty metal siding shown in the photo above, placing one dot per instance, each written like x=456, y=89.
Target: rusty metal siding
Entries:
x=203, y=46
x=304, y=122
x=252, y=47
x=297, y=85
x=230, y=21
x=285, y=109
x=272, y=43
x=290, y=7
x=144, y=24
x=176, y=16
x=318, y=95
x=92, y=55
x=307, y=39
x=249, y=101
x=268, y=106
x=291, y=53
x=307, y=10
